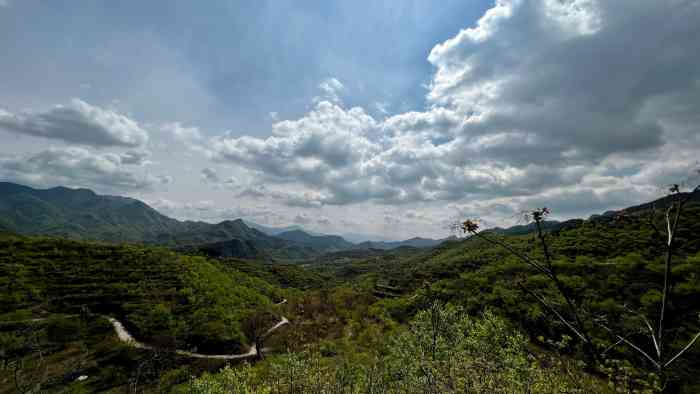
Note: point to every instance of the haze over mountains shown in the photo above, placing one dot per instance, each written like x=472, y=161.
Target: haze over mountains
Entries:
x=83, y=214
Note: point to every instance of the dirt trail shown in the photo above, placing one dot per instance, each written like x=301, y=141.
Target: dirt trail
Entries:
x=127, y=338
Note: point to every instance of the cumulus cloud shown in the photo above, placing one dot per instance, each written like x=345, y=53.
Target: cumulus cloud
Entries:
x=302, y=219
x=573, y=78
x=209, y=175
x=321, y=148
x=165, y=179
x=540, y=100
x=188, y=210
x=331, y=88
x=308, y=199
x=207, y=210
x=183, y=133
x=135, y=157
x=77, y=122
x=75, y=166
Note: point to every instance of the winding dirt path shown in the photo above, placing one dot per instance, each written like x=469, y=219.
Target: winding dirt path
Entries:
x=126, y=337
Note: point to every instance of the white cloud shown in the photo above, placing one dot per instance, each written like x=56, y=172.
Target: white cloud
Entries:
x=302, y=219
x=77, y=122
x=540, y=101
x=209, y=175
x=382, y=107
x=136, y=157
x=165, y=179
x=331, y=89
x=75, y=166
x=206, y=210
x=182, y=133
x=308, y=199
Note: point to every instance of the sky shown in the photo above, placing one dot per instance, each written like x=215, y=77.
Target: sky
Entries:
x=390, y=119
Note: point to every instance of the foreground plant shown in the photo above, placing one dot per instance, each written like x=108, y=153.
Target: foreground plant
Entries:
x=579, y=321
x=442, y=351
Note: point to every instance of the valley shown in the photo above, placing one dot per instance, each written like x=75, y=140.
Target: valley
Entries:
x=184, y=316
x=350, y=197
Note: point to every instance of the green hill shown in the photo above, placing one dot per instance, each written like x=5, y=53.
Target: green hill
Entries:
x=613, y=268
x=321, y=243
x=155, y=291
x=55, y=293
x=83, y=215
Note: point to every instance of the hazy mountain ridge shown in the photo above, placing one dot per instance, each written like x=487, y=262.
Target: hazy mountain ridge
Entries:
x=325, y=243
x=547, y=225
x=83, y=214
x=144, y=286
x=353, y=238
x=415, y=242
x=269, y=230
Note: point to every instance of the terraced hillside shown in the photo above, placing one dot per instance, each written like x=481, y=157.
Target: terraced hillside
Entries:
x=614, y=269
x=158, y=293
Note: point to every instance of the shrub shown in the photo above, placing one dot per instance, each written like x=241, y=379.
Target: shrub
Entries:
x=63, y=330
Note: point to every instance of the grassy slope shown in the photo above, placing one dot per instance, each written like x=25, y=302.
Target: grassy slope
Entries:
x=163, y=298
x=83, y=215
x=156, y=291
x=607, y=264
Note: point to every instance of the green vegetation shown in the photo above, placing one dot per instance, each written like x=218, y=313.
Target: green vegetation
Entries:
x=158, y=292
x=325, y=243
x=614, y=270
x=442, y=351
x=53, y=292
x=465, y=316
x=83, y=215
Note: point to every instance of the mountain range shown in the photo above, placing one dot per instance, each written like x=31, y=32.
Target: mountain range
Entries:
x=416, y=242
x=82, y=214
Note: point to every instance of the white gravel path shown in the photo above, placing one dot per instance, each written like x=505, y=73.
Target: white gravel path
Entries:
x=127, y=338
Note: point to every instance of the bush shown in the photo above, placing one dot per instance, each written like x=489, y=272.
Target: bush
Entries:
x=64, y=330
x=443, y=351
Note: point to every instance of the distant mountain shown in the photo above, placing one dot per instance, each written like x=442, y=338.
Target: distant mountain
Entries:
x=553, y=225
x=416, y=242
x=258, y=248
x=322, y=243
x=547, y=225
x=277, y=230
x=353, y=238
x=660, y=203
x=359, y=238
x=83, y=214
x=350, y=237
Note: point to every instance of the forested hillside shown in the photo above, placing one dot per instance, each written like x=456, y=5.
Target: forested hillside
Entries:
x=81, y=214
x=84, y=215
x=56, y=293
x=465, y=314
x=613, y=266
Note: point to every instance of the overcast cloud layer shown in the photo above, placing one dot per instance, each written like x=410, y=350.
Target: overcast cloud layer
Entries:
x=579, y=105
